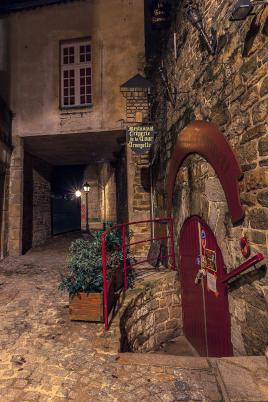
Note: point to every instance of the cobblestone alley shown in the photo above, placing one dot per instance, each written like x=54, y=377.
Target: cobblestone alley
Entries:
x=45, y=357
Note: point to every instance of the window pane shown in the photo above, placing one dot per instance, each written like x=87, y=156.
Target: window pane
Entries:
x=76, y=80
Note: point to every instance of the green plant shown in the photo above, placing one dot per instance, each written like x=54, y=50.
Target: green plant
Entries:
x=85, y=263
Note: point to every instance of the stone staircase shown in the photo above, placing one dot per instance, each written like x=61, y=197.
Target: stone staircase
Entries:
x=232, y=379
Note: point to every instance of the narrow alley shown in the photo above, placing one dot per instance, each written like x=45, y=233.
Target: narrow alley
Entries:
x=45, y=357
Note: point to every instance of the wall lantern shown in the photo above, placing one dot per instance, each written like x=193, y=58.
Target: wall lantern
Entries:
x=193, y=15
x=86, y=187
x=136, y=87
x=243, y=8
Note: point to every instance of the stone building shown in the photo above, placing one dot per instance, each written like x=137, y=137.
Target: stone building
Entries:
x=227, y=92
x=65, y=64
x=5, y=139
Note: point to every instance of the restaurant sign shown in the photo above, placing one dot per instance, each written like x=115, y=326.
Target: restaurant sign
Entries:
x=160, y=14
x=140, y=138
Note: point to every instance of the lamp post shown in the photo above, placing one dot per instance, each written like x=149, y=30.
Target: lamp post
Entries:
x=86, y=188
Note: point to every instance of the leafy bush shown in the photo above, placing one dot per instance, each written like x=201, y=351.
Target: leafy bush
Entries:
x=85, y=263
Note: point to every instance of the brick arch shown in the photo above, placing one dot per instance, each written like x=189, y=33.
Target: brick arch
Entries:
x=204, y=138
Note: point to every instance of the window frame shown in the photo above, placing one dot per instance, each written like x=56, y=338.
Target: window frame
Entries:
x=76, y=43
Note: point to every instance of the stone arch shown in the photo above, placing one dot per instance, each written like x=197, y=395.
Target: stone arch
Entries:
x=204, y=138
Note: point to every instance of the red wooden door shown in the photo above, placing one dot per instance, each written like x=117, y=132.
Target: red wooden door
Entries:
x=206, y=317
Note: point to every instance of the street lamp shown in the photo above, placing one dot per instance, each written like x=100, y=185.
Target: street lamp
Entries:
x=86, y=188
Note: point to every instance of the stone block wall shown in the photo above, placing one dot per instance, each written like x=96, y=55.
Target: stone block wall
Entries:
x=137, y=107
x=153, y=316
x=230, y=90
x=15, y=208
x=102, y=205
x=36, y=228
x=41, y=209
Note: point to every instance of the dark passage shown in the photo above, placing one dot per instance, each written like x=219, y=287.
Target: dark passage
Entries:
x=66, y=207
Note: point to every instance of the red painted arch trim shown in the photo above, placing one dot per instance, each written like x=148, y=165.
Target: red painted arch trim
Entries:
x=206, y=140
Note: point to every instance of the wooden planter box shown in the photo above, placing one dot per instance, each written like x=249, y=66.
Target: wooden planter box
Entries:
x=89, y=306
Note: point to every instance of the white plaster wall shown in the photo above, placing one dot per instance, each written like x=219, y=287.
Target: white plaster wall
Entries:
x=117, y=32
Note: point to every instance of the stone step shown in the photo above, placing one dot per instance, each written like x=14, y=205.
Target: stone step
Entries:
x=240, y=379
x=158, y=359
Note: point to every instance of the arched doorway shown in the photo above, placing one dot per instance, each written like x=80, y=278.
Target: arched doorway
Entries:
x=206, y=318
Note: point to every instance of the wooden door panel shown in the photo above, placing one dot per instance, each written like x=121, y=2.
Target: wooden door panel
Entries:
x=192, y=300
x=206, y=317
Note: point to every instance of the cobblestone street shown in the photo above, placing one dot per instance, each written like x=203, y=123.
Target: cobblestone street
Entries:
x=45, y=357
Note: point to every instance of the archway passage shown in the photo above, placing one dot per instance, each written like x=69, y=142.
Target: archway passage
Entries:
x=206, y=318
x=205, y=139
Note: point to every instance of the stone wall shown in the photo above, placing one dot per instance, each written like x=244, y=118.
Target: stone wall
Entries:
x=102, y=205
x=139, y=200
x=231, y=91
x=37, y=203
x=121, y=187
x=153, y=316
x=41, y=209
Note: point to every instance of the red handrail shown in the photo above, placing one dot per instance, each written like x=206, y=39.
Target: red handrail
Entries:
x=243, y=267
x=170, y=254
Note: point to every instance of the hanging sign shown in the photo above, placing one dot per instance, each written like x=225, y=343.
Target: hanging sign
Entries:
x=212, y=283
x=160, y=14
x=210, y=260
x=140, y=138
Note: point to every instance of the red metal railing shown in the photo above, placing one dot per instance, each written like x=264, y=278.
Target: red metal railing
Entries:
x=124, y=227
x=243, y=267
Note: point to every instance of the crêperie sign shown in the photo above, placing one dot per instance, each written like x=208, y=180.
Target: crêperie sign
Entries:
x=140, y=138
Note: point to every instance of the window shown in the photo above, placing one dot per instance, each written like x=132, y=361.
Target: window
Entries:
x=76, y=74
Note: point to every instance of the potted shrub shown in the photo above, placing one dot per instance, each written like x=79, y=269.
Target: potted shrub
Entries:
x=84, y=278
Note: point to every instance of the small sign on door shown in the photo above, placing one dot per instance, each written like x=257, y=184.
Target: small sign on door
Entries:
x=210, y=260
x=212, y=283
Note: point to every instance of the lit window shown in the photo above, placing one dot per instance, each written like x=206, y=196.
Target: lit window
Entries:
x=76, y=74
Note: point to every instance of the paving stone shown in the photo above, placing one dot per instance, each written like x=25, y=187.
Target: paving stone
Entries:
x=60, y=361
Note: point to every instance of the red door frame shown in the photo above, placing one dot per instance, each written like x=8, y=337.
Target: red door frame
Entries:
x=206, y=316
x=205, y=139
